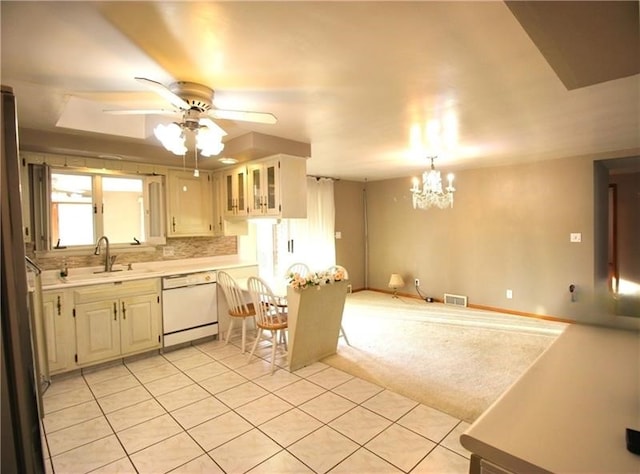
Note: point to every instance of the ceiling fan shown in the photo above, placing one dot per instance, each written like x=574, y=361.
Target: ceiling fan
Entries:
x=195, y=103
x=191, y=96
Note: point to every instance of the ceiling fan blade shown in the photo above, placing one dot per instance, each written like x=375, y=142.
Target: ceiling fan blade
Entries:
x=244, y=116
x=140, y=112
x=207, y=122
x=161, y=90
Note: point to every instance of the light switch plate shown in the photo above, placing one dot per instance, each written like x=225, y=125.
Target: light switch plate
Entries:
x=575, y=237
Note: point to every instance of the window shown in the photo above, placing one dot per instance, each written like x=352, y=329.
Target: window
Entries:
x=71, y=210
x=74, y=208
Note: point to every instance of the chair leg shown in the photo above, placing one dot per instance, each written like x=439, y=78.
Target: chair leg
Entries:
x=244, y=333
x=226, y=340
x=344, y=334
x=255, y=344
x=274, y=344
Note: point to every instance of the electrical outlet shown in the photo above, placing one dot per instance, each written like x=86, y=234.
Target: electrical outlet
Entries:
x=416, y=282
x=509, y=294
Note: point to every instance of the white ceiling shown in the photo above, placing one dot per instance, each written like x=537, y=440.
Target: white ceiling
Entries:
x=352, y=79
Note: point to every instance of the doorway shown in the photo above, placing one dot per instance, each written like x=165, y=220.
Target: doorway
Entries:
x=617, y=233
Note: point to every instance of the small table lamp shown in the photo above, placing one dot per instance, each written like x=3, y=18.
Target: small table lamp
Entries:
x=395, y=282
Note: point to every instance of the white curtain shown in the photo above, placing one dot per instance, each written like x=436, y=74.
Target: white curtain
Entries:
x=309, y=240
x=317, y=241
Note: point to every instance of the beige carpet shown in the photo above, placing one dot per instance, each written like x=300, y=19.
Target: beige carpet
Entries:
x=457, y=360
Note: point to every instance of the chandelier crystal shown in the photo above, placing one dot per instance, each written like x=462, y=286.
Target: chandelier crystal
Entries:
x=431, y=194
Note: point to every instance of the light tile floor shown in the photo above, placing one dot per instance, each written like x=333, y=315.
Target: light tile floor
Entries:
x=205, y=409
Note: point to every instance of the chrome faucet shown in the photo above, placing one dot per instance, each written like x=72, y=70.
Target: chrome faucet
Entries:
x=108, y=260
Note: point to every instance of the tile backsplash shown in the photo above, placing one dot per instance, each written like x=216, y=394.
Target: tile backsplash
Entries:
x=192, y=247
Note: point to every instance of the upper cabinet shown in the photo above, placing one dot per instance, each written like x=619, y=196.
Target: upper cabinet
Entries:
x=262, y=177
x=221, y=224
x=271, y=187
x=235, y=192
x=190, y=204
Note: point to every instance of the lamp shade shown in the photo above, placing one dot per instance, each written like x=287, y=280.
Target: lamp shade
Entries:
x=396, y=281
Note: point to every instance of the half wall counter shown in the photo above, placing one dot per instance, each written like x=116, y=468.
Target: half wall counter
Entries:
x=569, y=412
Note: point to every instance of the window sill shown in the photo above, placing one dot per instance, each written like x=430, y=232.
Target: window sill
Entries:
x=89, y=250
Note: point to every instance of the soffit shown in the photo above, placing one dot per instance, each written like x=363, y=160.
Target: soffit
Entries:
x=585, y=42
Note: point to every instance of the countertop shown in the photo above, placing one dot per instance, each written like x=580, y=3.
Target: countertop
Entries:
x=87, y=275
x=569, y=411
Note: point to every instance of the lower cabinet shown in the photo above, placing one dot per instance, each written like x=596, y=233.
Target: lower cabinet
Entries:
x=116, y=320
x=59, y=330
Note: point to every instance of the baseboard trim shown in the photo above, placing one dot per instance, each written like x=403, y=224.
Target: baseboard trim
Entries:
x=484, y=308
x=522, y=313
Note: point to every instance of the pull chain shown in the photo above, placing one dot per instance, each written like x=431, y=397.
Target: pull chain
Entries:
x=196, y=172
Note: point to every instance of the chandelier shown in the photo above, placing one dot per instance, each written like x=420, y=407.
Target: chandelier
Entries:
x=208, y=136
x=431, y=194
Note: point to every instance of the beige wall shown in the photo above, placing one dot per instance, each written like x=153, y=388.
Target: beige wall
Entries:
x=509, y=229
x=350, y=248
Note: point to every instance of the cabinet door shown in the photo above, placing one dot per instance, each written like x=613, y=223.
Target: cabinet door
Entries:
x=271, y=184
x=190, y=204
x=255, y=191
x=263, y=189
x=222, y=225
x=58, y=331
x=235, y=182
x=97, y=331
x=139, y=323
x=217, y=187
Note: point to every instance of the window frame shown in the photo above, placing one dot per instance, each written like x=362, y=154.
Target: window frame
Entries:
x=39, y=192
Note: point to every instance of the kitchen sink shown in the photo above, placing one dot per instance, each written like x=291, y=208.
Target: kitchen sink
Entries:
x=81, y=275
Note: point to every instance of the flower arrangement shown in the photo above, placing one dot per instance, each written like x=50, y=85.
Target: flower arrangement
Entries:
x=316, y=279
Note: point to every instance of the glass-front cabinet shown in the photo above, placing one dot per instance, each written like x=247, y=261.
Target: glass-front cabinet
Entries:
x=275, y=186
x=263, y=188
x=235, y=192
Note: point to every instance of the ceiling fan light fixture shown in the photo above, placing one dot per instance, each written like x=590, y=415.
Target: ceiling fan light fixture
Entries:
x=209, y=141
x=172, y=137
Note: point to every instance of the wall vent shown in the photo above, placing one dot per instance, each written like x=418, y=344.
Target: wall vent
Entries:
x=456, y=300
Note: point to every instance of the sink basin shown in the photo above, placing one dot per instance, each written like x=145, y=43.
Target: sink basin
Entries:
x=83, y=275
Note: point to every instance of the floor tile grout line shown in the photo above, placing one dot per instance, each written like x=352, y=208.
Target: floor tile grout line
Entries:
x=47, y=434
x=272, y=391
x=115, y=434
x=323, y=423
x=186, y=431
x=257, y=427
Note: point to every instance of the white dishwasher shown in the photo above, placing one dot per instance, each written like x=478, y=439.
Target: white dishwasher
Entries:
x=189, y=307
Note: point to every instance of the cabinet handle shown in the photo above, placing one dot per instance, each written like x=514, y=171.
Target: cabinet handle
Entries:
x=124, y=311
x=173, y=222
x=59, y=306
x=115, y=311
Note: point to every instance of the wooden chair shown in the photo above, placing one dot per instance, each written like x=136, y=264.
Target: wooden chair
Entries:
x=300, y=268
x=271, y=315
x=238, y=307
x=335, y=269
